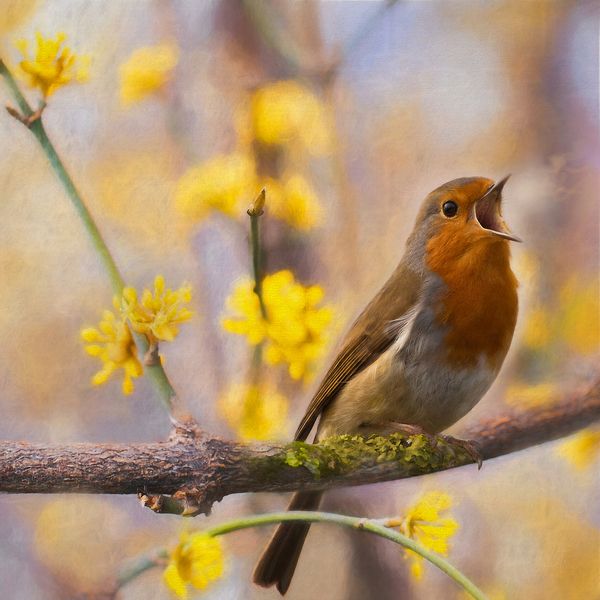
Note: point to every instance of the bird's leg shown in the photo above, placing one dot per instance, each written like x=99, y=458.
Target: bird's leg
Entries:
x=470, y=446
x=408, y=429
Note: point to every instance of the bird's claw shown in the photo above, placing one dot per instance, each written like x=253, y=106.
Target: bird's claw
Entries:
x=435, y=445
x=470, y=446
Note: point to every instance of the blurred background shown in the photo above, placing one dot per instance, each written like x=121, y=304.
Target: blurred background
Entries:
x=349, y=113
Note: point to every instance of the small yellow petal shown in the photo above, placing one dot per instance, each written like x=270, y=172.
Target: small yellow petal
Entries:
x=159, y=285
x=91, y=335
x=103, y=375
x=108, y=316
x=94, y=350
x=174, y=580
x=165, y=333
x=129, y=294
x=127, y=384
x=417, y=569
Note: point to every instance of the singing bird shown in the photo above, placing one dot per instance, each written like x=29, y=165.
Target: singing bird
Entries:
x=426, y=348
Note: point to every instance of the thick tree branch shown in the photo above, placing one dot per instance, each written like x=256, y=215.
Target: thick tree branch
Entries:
x=205, y=469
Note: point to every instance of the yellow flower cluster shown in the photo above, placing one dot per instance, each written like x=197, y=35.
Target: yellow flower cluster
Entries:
x=52, y=67
x=158, y=314
x=225, y=183
x=255, y=414
x=157, y=317
x=228, y=182
x=423, y=524
x=114, y=345
x=293, y=201
x=294, y=328
x=197, y=561
x=579, y=323
x=285, y=112
x=147, y=71
x=576, y=322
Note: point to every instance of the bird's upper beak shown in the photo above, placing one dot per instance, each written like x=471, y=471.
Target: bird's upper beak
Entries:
x=486, y=211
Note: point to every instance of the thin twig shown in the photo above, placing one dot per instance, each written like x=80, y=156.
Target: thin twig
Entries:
x=254, y=212
x=375, y=527
x=156, y=372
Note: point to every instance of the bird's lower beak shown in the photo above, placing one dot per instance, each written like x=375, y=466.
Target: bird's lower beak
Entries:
x=486, y=211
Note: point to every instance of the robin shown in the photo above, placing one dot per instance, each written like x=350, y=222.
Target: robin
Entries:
x=426, y=348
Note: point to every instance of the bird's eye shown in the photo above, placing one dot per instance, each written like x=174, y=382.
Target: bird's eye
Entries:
x=450, y=209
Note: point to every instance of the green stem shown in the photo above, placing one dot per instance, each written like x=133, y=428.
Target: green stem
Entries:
x=254, y=212
x=358, y=524
x=155, y=372
x=140, y=566
x=40, y=133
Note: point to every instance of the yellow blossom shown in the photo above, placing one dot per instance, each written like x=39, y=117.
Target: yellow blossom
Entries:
x=423, y=524
x=576, y=323
x=147, y=71
x=294, y=329
x=158, y=314
x=580, y=320
x=197, y=560
x=114, y=345
x=538, y=333
x=51, y=67
x=286, y=111
x=255, y=414
x=581, y=449
x=294, y=202
x=225, y=183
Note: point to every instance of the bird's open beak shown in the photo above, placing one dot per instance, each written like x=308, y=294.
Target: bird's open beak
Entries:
x=486, y=211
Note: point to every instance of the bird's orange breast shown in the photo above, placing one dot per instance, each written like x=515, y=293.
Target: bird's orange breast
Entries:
x=478, y=304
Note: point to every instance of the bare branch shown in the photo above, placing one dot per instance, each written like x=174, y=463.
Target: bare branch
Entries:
x=198, y=469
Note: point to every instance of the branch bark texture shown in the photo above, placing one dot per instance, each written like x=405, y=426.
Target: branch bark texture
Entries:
x=210, y=468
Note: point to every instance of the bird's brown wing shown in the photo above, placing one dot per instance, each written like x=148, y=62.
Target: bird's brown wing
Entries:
x=372, y=333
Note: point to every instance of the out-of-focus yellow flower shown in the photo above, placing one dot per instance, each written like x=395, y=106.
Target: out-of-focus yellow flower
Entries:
x=51, y=67
x=294, y=328
x=294, y=202
x=225, y=183
x=538, y=333
x=525, y=396
x=197, y=560
x=582, y=449
x=255, y=414
x=580, y=320
x=114, y=345
x=423, y=524
x=285, y=112
x=576, y=321
x=63, y=542
x=158, y=314
x=247, y=319
x=147, y=71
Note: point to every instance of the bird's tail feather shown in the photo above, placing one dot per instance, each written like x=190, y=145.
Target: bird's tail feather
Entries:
x=278, y=562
